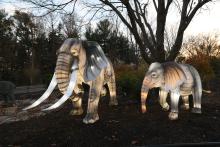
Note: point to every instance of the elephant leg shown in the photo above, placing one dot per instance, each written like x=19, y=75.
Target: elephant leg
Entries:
x=163, y=100
x=185, y=105
x=112, y=90
x=77, y=105
x=93, y=101
x=196, y=102
x=174, y=97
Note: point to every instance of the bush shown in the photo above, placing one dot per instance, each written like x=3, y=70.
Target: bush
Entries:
x=215, y=62
x=129, y=80
x=203, y=64
x=47, y=79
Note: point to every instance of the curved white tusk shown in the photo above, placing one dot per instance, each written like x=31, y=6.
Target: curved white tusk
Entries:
x=68, y=92
x=75, y=65
x=46, y=94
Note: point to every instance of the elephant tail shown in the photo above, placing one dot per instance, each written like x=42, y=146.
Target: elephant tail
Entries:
x=197, y=90
x=207, y=91
x=111, y=84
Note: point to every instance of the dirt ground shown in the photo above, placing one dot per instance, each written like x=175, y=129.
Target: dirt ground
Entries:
x=121, y=125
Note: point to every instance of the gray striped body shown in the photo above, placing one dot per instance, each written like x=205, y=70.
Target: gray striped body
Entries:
x=178, y=80
x=94, y=69
x=81, y=62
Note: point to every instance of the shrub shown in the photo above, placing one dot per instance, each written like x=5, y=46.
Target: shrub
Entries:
x=129, y=80
x=47, y=79
x=215, y=62
x=202, y=63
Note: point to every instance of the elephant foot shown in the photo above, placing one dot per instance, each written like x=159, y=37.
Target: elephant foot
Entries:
x=173, y=115
x=143, y=108
x=165, y=107
x=185, y=107
x=91, y=118
x=103, y=92
x=76, y=111
x=113, y=103
x=196, y=110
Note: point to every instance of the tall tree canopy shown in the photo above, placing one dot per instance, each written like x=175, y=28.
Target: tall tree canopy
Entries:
x=69, y=26
x=6, y=37
x=7, y=43
x=28, y=44
x=116, y=46
x=150, y=40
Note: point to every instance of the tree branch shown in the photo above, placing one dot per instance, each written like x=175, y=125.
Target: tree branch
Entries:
x=132, y=27
x=117, y=12
x=155, y=5
x=133, y=21
x=142, y=13
x=168, y=5
x=184, y=22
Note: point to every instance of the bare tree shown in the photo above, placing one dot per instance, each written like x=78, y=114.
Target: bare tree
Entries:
x=134, y=14
x=202, y=44
x=70, y=27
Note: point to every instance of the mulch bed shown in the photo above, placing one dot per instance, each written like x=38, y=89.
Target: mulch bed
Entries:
x=121, y=125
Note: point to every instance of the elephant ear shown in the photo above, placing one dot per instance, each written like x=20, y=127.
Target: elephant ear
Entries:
x=174, y=76
x=95, y=60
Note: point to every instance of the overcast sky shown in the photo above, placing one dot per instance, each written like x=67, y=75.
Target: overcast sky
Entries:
x=207, y=21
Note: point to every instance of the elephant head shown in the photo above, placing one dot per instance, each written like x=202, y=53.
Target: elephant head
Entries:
x=166, y=76
x=74, y=55
x=84, y=55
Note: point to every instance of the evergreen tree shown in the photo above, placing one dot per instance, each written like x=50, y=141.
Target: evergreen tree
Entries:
x=115, y=45
x=7, y=46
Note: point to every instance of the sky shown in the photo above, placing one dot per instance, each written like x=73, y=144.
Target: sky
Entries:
x=205, y=22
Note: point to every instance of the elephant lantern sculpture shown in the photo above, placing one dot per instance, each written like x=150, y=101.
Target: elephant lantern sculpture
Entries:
x=80, y=62
x=178, y=80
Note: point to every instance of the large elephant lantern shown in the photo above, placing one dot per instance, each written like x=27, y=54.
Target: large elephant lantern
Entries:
x=81, y=62
x=178, y=80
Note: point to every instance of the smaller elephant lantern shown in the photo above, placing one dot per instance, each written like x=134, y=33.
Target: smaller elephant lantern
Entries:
x=178, y=80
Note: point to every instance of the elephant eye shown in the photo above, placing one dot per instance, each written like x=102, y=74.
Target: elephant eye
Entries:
x=74, y=48
x=153, y=75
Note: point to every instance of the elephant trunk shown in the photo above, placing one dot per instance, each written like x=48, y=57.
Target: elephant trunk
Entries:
x=144, y=92
x=63, y=71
